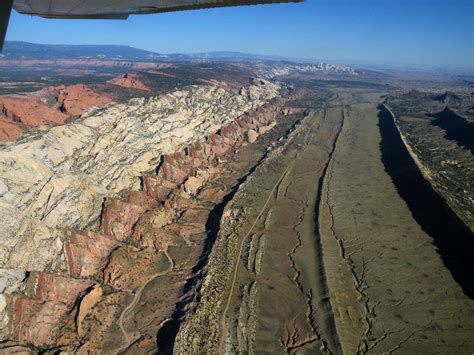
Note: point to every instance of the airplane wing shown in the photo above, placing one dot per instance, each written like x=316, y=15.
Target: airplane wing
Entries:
x=109, y=9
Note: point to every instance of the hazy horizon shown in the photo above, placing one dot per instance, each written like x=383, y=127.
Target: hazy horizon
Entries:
x=413, y=33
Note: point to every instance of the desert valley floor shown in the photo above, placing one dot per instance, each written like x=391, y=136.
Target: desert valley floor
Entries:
x=326, y=255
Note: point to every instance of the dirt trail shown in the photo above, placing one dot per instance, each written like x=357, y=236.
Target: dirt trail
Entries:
x=131, y=337
x=271, y=196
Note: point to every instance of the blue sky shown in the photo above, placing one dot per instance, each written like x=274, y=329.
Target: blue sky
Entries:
x=420, y=32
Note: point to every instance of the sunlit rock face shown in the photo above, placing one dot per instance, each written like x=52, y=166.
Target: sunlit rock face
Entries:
x=57, y=187
x=59, y=179
x=52, y=105
x=319, y=68
x=20, y=113
x=132, y=81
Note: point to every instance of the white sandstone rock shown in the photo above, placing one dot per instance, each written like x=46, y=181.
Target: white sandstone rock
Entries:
x=57, y=179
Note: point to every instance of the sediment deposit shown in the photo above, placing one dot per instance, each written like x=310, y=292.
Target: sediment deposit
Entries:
x=322, y=250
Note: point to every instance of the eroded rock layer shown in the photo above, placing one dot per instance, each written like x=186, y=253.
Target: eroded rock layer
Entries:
x=50, y=106
x=99, y=204
x=130, y=80
x=19, y=113
x=75, y=99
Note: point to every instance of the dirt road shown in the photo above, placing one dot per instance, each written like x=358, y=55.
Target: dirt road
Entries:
x=129, y=337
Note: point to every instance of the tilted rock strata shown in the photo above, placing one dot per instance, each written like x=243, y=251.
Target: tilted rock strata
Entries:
x=48, y=298
x=130, y=222
x=72, y=168
x=448, y=168
x=75, y=99
x=19, y=113
x=51, y=105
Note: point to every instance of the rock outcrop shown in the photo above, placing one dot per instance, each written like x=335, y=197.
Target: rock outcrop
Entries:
x=90, y=187
x=285, y=69
x=20, y=113
x=132, y=81
x=49, y=106
x=73, y=100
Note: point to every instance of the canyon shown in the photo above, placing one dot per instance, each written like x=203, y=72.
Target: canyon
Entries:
x=322, y=251
x=92, y=194
x=234, y=208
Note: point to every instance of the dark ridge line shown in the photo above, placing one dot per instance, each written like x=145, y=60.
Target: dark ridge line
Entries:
x=453, y=239
x=456, y=128
x=166, y=336
x=322, y=269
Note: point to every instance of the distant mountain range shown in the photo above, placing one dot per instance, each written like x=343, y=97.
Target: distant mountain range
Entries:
x=25, y=50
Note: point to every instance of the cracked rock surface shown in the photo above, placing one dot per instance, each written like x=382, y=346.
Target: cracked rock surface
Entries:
x=54, y=181
x=59, y=179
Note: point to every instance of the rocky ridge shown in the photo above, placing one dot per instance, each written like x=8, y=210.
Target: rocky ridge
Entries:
x=57, y=227
x=130, y=80
x=73, y=100
x=83, y=62
x=319, y=68
x=437, y=129
x=50, y=106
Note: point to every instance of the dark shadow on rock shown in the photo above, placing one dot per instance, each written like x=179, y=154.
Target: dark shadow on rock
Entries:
x=166, y=336
x=453, y=239
x=457, y=128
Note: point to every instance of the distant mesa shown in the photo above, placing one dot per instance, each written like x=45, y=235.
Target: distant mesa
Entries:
x=6, y=62
x=49, y=106
x=75, y=99
x=113, y=55
x=130, y=80
x=20, y=113
x=25, y=50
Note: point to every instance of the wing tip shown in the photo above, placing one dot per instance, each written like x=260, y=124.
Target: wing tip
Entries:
x=5, y=10
x=202, y=4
